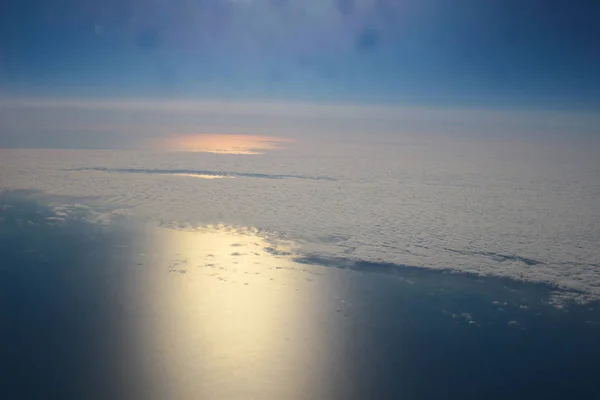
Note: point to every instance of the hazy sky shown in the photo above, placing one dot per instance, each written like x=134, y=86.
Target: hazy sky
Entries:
x=97, y=73
x=427, y=52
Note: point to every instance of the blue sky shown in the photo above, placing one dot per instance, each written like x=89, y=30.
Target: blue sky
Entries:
x=485, y=53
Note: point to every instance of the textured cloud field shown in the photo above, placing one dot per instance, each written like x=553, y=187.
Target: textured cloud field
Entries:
x=521, y=210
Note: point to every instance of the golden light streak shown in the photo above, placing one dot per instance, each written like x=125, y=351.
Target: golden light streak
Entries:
x=226, y=314
x=203, y=176
x=222, y=143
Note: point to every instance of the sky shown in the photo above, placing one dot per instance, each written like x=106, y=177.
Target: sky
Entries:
x=92, y=73
x=485, y=53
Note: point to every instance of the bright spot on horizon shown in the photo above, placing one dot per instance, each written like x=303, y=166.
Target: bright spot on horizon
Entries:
x=222, y=143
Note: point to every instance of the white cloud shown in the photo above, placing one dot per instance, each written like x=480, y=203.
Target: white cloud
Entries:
x=434, y=206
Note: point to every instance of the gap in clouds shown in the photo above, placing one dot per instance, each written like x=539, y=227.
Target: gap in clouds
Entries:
x=201, y=174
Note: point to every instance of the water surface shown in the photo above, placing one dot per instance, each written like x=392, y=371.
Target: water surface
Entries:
x=130, y=310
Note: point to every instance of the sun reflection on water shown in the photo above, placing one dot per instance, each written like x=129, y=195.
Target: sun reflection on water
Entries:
x=202, y=176
x=236, y=314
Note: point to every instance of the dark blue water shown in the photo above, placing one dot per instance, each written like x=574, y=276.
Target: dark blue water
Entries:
x=122, y=311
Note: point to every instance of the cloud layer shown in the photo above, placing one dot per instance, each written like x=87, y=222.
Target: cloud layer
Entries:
x=526, y=212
